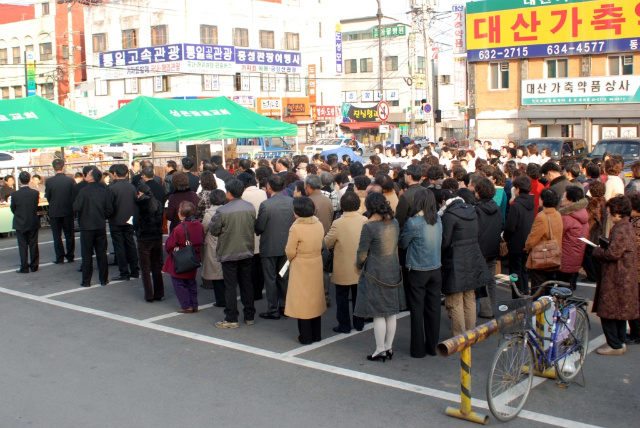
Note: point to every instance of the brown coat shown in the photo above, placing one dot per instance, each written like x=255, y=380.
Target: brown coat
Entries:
x=392, y=198
x=211, y=267
x=324, y=209
x=616, y=295
x=305, y=295
x=344, y=237
x=540, y=231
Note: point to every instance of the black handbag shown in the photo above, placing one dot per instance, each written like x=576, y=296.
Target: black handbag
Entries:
x=185, y=259
x=327, y=259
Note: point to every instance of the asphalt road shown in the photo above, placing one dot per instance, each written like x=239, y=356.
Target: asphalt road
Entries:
x=103, y=357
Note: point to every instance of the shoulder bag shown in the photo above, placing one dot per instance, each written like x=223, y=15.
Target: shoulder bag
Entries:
x=185, y=259
x=547, y=255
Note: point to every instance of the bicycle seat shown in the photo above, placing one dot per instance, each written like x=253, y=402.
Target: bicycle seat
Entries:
x=561, y=293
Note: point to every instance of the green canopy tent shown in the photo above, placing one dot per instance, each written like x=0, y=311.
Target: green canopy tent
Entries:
x=155, y=119
x=34, y=122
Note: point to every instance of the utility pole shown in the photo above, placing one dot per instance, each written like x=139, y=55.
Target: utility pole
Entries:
x=426, y=20
x=71, y=62
x=379, y=16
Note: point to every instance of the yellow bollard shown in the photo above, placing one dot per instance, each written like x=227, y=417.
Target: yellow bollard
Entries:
x=541, y=321
x=465, y=412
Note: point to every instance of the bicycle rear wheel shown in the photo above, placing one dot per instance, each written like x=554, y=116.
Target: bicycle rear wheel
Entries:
x=568, y=367
x=510, y=379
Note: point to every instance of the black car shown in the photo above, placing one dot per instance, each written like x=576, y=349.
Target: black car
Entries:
x=563, y=149
x=628, y=148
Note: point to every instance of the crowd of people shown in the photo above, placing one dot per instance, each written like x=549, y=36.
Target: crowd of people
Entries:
x=395, y=233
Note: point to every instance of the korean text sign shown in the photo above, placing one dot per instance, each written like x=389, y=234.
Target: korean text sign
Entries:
x=498, y=29
x=582, y=90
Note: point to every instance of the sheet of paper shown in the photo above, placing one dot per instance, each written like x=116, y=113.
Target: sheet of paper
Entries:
x=586, y=241
x=284, y=269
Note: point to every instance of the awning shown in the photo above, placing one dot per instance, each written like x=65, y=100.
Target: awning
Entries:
x=364, y=125
x=299, y=120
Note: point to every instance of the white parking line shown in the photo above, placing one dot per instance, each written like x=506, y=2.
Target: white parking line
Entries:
x=40, y=266
x=75, y=290
x=173, y=314
x=39, y=243
x=423, y=390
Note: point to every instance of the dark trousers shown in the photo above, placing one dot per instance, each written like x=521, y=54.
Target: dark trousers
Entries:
x=591, y=266
x=425, y=287
x=517, y=265
x=342, y=307
x=218, y=291
x=614, y=331
x=634, y=325
x=94, y=241
x=571, y=278
x=238, y=273
x=275, y=285
x=125, y=249
x=402, y=257
x=257, y=277
x=151, y=260
x=28, y=240
x=309, y=330
x=540, y=276
x=491, y=283
x=58, y=225
x=186, y=291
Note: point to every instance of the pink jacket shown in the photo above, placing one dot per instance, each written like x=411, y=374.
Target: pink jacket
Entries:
x=575, y=225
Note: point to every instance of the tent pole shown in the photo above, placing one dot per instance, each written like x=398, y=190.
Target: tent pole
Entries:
x=224, y=158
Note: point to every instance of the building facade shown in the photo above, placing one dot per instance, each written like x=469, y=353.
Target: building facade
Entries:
x=553, y=69
x=41, y=30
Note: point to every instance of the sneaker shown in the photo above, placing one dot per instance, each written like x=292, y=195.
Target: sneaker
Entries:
x=607, y=350
x=227, y=324
x=249, y=322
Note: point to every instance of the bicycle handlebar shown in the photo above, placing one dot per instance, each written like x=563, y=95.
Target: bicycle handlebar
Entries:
x=541, y=288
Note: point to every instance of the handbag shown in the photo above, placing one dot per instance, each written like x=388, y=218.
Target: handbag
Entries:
x=327, y=259
x=547, y=255
x=185, y=259
x=504, y=249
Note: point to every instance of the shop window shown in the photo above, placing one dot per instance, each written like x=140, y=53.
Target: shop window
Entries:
x=210, y=82
x=129, y=39
x=159, y=35
x=131, y=85
x=209, y=34
x=557, y=68
x=620, y=65
x=293, y=83
x=242, y=82
x=102, y=87
x=391, y=63
x=499, y=75
x=161, y=84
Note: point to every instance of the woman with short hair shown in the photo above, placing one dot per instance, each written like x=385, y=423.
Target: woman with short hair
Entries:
x=575, y=225
x=211, y=267
x=616, y=298
x=305, y=294
x=208, y=184
x=181, y=192
x=184, y=283
x=614, y=185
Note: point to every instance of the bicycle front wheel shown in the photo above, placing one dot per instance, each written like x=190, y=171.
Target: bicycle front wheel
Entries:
x=510, y=379
x=568, y=367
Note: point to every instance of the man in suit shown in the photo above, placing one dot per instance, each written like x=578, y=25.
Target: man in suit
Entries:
x=220, y=172
x=24, y=206
x=275, y=217
x=157, y=189
x=59, y=192
x=283, y=166
x=122, y=196
x=93, y=207
x=137, y=179
x=169, y=170
x=187, y=165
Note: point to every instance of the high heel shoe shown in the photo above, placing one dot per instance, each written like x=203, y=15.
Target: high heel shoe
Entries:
x=381, y=356
x=389, y=353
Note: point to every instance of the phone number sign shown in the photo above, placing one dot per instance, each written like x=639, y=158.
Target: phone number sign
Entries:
x=509, y=29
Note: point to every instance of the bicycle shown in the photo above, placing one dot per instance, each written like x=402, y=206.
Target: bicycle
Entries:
x=514, y=362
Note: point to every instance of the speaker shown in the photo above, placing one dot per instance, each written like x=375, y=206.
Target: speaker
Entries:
x=199, y=152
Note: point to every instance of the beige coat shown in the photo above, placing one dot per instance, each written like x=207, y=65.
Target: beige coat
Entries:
x=305, y=295
x=344, y=237
x=362, y=194
x=211, y=267
x=255, y=197
x=392, y=198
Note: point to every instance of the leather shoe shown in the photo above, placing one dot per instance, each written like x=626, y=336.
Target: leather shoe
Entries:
x=120, y=278
x=267, y=316
x=185, y=311
x=34, y=269
x=134, y=275
x=22, y=271
x=104, y=283
x=82, y=284
x=70, y=259
x=57, y=262
x=338, y=329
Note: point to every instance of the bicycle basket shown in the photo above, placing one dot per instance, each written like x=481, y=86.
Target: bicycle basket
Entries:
x=521, y=309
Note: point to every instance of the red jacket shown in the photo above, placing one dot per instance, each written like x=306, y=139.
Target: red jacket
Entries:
x=177, y=238
x=575, y=225
x=536, y=189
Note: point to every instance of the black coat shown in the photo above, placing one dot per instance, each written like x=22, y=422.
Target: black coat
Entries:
x=59, y=191
x=78, y=187
x=93, y=206
x=222, y=174
x=148, y=223
x=489, y=227
x=168, y=183
x=463, y=266
x=123, y=200
x=405, y=203
x=194, y=182
x=24, y=206
x=137, y=180
x=158, y=191
x=275, y=217
x=519, y=222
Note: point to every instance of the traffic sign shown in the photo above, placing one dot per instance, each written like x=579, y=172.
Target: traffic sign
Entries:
x=383, y=111
x=427, y=108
